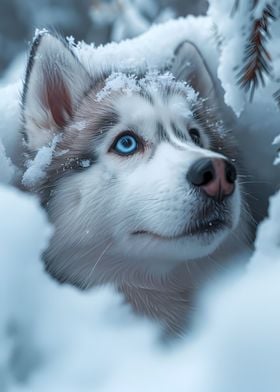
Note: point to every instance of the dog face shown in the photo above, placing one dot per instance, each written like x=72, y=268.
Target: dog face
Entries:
x=140, y=176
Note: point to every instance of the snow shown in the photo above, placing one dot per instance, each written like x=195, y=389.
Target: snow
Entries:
x=80, y=125
x=53, y=337
x=277, y=160
x=233, y=27
x=150, y=49
x=85, y=163
x=7, y=170
x=276, y=140
x=10, y=117
x=118, y=81
x=128, y=84
x=36, y=167
x=232, y=47
x=56, y=338
x=39, y=32
x=260, y=6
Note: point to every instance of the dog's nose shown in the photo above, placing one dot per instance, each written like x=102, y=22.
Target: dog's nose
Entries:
x=216, y=177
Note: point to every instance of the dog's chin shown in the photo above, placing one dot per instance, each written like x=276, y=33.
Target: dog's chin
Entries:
x=202, y=230
x=199, y=237
x=153, y=249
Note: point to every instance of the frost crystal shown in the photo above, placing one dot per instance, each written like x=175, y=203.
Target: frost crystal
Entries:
x=118, y=81
x=153, y=80
x=80, y=125
x=39, y=32
x=85, y=163
x=71, y=41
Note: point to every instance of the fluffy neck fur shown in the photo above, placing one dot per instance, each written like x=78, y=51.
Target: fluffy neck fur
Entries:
x=173, y=302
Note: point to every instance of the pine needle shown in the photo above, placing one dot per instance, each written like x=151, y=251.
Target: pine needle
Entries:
x=276, y=96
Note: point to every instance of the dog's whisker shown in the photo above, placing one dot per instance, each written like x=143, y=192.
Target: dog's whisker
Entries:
x=88, y=283
x=255, y=182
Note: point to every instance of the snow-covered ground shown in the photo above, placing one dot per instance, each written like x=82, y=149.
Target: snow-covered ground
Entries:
x=55, y=338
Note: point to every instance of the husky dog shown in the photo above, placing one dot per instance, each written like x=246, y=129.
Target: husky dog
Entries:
x=143, y=181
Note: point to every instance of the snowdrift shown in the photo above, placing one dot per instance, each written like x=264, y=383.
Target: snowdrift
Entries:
x=55, y=338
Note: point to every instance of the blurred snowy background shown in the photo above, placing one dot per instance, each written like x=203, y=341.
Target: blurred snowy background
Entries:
x=98, y=21
x=54, y=338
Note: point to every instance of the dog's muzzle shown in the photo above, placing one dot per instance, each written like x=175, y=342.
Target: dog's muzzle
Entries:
x=215, y=177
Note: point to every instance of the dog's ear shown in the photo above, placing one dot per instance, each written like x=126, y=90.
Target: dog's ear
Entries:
x=190, y=66
x=54, y=85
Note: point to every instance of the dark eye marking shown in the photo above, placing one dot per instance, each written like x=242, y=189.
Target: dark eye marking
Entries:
x=180, y=134
x=195, y=136
x=127, y=143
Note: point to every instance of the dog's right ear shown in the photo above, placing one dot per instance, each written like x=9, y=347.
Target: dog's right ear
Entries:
x=54, y=85
x=190, y=66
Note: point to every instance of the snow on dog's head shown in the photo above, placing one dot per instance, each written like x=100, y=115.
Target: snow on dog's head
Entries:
x=141, y=177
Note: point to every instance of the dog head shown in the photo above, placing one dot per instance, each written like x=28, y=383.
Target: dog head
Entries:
x=139, y=174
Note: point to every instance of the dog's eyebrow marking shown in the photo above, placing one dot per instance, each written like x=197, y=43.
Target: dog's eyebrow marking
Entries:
x=161, y=133
x=106, y=121
x=164, y=136
x=147, y=96
x=178, y=133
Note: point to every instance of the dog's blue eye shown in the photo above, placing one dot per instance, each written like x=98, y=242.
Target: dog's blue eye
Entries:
x=126, y=145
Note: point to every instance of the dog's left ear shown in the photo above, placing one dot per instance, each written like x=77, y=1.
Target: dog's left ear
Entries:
x=190, y=66
x=55, y=84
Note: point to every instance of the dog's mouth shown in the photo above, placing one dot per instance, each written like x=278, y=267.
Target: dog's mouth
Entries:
x=199, y=229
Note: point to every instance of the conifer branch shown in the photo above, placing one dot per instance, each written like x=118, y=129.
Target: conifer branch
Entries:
x=257, y=59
